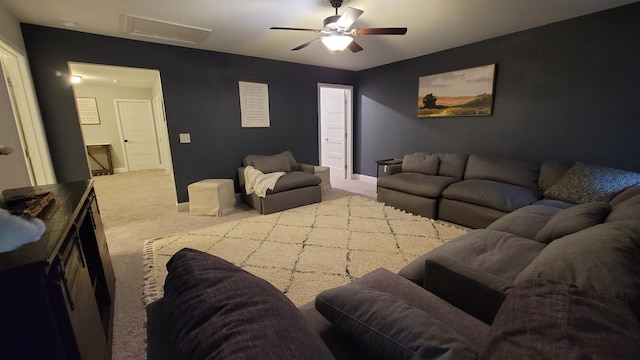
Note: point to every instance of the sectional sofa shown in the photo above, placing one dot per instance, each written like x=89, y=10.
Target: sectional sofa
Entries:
x=555, y=279
x=476, y=190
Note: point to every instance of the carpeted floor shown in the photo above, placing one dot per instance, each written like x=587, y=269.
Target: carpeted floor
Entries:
x=305, y=250
x=141, y=205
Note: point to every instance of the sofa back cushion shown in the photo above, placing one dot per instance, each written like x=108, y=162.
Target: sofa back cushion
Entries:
x=452, y=165
x=283, y=161
x=626, y=205
x=584, y=183
x=625, y=195
x=421, y=163
x=603, y=258
x=544, y=319
x=550, y=172
x=215, y=310
x=387, y=327
x=516, y=172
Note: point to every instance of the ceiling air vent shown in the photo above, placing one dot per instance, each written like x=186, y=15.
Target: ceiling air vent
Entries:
x=163, y=30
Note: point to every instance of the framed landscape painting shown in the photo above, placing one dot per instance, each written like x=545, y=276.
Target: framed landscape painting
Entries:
x=467, y=92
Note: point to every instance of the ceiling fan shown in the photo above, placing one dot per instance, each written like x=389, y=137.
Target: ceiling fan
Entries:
x=337, y=35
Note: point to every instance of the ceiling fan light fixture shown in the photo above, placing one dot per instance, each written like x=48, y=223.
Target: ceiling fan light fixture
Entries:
x=336, y=43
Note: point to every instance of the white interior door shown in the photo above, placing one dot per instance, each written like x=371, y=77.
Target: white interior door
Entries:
x=20, y=117
x=139, y=134
x=334, y=104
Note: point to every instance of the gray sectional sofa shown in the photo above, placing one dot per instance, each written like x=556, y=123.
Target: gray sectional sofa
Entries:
x=476, y=190
x=557, y=278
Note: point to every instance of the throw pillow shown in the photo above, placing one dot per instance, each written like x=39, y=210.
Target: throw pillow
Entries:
x=421, y=163
x=573, y=219
x=584, y=183
x=545, y=319
x=216, y=310
x=386, y=327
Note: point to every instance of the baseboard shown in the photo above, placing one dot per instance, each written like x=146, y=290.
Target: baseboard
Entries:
x=365, y=178
x=183, y=206
x=119, y=170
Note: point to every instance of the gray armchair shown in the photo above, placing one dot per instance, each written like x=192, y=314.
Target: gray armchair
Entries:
x=299, y=186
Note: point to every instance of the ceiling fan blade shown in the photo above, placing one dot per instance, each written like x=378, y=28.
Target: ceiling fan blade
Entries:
x=380, y=31
x=304, y=45
x=297, y=29
x=349, y=17
x=354, y=47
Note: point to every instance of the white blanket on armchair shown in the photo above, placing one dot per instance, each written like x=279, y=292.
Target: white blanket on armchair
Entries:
x=255, y=181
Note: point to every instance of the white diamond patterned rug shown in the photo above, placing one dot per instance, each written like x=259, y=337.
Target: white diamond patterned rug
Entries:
x=306, y=250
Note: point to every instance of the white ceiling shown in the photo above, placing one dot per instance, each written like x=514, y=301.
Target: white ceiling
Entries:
x=242, y=26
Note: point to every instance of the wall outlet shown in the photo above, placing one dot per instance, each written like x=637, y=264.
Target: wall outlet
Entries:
x=185, y=138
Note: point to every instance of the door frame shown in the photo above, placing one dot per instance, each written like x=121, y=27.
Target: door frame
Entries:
x=121, y=132
x=348, y=156
x=28, y=119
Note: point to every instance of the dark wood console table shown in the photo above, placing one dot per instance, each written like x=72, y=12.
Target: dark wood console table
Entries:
x=58, y=292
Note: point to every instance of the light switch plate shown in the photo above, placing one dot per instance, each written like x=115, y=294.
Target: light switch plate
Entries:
x=185, y=138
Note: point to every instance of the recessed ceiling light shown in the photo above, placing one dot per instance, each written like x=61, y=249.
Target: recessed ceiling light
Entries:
x=75, y=79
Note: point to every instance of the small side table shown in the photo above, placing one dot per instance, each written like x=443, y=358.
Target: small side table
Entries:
x=385, y=162
x=106, y=148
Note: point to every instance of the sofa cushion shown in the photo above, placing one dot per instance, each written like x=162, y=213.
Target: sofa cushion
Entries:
x=269, y=163
x=421, y=163
x=584, y=183
x=554, y=203
x=295, y=180
x=603, y=258
x=626, y=210
x=516, y=172
x=525, y=222
x=492, y=194
x=217, y=310
x=387, y=327
x=573, y=219
x=545, y=319
x=293, y=164
x=550, y=172
x=452, y=165
x=417, y=184
x=494, y=252
x=625, y=195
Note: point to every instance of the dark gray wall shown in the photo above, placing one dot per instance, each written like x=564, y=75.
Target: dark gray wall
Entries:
x=201, y=97
x=568, y=91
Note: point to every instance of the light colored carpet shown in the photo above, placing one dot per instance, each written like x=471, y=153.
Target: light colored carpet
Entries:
x=305, y=250
x=140, y=205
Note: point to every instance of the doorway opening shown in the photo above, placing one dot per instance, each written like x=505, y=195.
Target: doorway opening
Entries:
x=335, y=124
x=125, y=115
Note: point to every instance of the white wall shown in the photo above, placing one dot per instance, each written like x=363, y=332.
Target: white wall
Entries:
x=107, y=131
x=13, y=169
x=10, y=31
